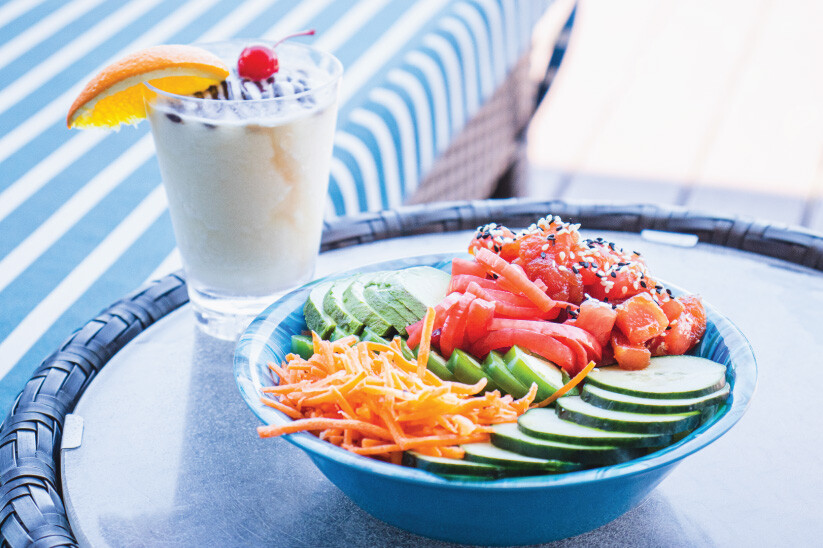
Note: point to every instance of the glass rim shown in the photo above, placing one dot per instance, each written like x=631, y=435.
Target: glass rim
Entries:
x=334, y=76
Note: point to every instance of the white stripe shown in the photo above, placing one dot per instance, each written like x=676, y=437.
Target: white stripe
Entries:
x=422, y=115
x=296, y=19
x=22, y=256
x=172, y=263
x=348, y=188
x=388, y=45
x=34, y=179
x=361, y=154
x=437, y=84
x=405, y=125
x=43, y=316
x=492, y=10
x=71, y=52
x=15, y=9
x=236, y=20
x=23, y=188
x=56, y=110
x=388, y=153
x=510, y=17
x=349, y=24
x=459, y=102
x=44, y=28
x=481, y=38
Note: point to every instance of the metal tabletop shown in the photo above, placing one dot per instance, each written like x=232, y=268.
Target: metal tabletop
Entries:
x=161, y=450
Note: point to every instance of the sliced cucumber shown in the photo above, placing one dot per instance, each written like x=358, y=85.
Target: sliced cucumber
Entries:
x=302, y=346
x=467, y=370
x=437, y=365
x=508, y=436
x=607, y=399
x=674, y=377
x=316, y=318
x=574, y=409
x=334, y=306
x=545, y=424
x=516, y=462
x=370, y=336
x=495, y=367
x=452, y=467
x=530, y=369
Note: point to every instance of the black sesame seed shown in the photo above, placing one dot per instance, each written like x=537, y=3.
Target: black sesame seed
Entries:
x=542, y=254
x=643, y=285
x=613, y=274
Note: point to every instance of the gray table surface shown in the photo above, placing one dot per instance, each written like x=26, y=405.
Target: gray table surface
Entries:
x=169, y=455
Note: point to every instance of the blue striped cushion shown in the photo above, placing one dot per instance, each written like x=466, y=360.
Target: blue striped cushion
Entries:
x=83, y=218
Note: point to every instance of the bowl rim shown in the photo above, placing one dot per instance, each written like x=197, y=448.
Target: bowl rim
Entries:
x=741, y=373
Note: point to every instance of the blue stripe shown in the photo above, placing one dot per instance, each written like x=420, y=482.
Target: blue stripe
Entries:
x=394, y=129
x=54, y=43
x=27, y=19
x=403, y=93
x=37, y=281
x=125, y=274
x=349, y=161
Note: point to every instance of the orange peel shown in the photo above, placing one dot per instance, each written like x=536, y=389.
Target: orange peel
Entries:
x=115, y=96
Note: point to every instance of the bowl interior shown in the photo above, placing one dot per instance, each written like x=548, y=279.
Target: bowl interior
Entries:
x=268, y=338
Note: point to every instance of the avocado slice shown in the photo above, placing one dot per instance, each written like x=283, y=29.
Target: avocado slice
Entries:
x=316, y=318
x=380, y=297
x=355, y=302
x=335, y=306
x=416, y=288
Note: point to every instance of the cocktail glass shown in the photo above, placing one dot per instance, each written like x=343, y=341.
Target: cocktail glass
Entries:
x=246, y=181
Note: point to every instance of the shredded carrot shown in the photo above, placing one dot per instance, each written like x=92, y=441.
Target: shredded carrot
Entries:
x=568, y=386
x=368, y=398
x=425, y=341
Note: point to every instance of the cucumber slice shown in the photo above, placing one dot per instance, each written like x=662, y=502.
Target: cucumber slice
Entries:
x=574, y=409
x=302, y=346
x=496, y=369
x=355, y=301
x=508, y=436
x=335, y=306
x=338, y=334
x=467, y=370
x=516, y=462
x=437, y=365
x=530, y=369
x=370, y=336
x=607, y=399
x=316, y=318
x=453, y=467
x=674, y=377
x=545, y=424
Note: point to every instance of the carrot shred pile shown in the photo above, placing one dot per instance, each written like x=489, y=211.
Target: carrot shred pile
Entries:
x=368, y=398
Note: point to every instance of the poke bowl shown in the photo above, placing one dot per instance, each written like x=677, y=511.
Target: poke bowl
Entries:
x=508, y=511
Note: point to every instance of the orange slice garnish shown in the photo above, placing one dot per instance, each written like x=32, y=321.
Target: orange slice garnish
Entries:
x=115, y=95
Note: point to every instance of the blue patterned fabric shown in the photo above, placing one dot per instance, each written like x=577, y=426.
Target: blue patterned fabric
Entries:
x=83, y=217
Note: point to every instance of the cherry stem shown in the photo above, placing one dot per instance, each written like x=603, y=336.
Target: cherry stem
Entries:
x=309, y=32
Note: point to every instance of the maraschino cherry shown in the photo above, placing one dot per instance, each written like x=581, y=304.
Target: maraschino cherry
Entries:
x=259, y=62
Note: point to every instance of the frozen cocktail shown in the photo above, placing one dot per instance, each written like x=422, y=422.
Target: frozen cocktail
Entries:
x=243, y=133
x=246, y=167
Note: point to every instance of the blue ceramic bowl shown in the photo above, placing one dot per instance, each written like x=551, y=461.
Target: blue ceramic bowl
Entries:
x=502, y=512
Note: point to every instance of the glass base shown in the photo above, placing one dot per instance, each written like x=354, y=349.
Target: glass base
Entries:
x=226, y=317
